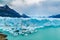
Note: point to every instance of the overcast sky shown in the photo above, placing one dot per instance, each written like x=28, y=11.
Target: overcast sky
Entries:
x=35, y=8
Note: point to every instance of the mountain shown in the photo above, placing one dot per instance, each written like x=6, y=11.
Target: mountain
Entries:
x=8, y=12
x=25, y=16
x=55, y=16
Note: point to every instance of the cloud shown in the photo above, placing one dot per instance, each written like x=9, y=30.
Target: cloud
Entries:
x=29, y=2
x=44, y=9
x=22, y=5
x=36, y=8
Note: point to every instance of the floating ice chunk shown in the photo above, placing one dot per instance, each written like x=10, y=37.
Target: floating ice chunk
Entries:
x=11, y=31
x=15, y=34
x=20, y=32
x=41, y=26
x=26, y=34
x=30, y=28
x=24, y=27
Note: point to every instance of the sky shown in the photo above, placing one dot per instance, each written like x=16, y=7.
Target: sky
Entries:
x=34, y=8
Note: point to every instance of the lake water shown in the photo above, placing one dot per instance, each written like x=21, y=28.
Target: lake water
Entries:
x=42, y=34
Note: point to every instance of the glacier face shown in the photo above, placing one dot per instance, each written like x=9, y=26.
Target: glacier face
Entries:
x=25, y=26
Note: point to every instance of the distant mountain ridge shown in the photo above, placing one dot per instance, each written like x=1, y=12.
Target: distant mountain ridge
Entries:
x=55, y=16
x=8, y=12
x=5, y=11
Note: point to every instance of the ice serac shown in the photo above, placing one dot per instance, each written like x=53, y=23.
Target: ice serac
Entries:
x=55, y=16
x=5, y=11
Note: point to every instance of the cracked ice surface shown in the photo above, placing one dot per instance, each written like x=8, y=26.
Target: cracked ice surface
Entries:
x=25, y=26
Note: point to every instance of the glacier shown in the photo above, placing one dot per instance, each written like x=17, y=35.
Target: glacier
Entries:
x=26, y=26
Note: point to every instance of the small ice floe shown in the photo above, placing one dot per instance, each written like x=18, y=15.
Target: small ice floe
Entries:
x=30, y=28
x=26, y=34
x=39, y=27
x=15, y=34
x=20, y=32
x=11, y=32
x=6, y=28
x=23, y=27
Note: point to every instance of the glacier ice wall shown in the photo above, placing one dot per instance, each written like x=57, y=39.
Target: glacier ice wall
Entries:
x=25, y=26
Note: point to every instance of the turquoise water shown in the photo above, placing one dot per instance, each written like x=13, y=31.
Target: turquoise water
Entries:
x=42, y=34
